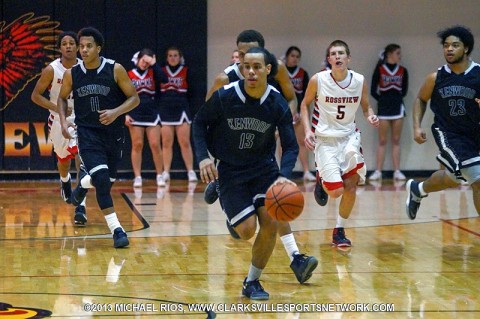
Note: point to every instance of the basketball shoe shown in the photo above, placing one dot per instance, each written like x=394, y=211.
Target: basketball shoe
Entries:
x=254, y=290
x=210, y=195
x=66, y=190
x=413, y=199
x=80, y=217
x=303, y=266
x=339, y=239
x=321, y=196
x=79, y=193
x=120, y=238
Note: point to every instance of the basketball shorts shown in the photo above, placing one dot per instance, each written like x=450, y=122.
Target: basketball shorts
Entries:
x=338, y=158
x=242, y=189
x=458, y=153
x=65, y=149
x=99, y=148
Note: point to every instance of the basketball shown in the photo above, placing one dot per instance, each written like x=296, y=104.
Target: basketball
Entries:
x=284, y=202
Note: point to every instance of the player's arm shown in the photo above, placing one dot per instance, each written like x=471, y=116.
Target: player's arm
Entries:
x=287, y=87
x=367, y=108
x=420, y=106
x=62, y=102
x=125, y=83
x=309, y=97
x=206, y=116
x=288, y=140
x=42, y=85
x=220, y=80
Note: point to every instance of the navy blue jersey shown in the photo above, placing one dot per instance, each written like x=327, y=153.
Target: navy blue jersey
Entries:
x=240, y=130
x=453, y=101
x=94, y=90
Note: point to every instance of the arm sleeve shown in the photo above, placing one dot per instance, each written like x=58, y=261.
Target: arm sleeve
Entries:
x=289, y=144
x=405, y=83
x=374, y=85
x=205, y=117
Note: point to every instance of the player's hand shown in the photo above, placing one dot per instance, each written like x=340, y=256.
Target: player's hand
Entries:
x=310, y=140
x=373, y=120
x=107, y=117
x=281, y=180
x=68, y=130
x=419, y=136
x=208, y=171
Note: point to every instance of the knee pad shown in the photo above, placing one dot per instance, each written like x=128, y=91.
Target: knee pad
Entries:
x=101, y=181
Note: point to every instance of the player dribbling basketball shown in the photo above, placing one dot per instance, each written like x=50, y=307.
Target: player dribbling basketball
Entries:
x=237, y=126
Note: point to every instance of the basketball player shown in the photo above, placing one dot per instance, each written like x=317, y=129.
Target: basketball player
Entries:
x=103, y=93
x=453, y=91
x=237, y=126
x=332, y=133
x=65, y=149
x=301, y=265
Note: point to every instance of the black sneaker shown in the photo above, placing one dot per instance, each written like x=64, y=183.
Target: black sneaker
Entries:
x=413, y=199
x=211, y=192
x=303, y=266
x=79, y=193
x=232, y=231
x=120, y=238
x=254, y=290
x=80, y=217
x=66, y=190
x=321, y=196
x=339, y=239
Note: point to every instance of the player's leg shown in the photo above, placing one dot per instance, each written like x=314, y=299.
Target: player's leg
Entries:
x=345, y=209
x=301, y=264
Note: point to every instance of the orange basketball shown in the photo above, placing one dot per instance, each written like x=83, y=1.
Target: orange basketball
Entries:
x=284, y=202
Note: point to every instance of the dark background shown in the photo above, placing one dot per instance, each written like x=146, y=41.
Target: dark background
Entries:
x=127, y=26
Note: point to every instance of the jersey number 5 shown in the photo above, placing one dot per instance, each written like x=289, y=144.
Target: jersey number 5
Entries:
x=340, y=112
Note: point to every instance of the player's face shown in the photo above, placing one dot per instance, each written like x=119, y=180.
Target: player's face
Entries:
x=454, y=50
x=338, y=58
x=243, y=48
x=68, y=47
x=89, y=50
x=255, y=71
x=173, y=57
x=293, y=58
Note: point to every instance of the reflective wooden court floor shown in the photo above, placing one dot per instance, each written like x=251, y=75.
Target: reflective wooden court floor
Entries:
x=181, y=257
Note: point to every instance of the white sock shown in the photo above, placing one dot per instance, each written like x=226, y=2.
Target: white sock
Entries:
x=112, y=221
x=86, y=182
x=341, y=222
x=254, y=273
x=290, y=245
x=420, y=188
x=65, y=179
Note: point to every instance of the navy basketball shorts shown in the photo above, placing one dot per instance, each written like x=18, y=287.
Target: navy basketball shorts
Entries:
x=242, y=189
x=99, y=147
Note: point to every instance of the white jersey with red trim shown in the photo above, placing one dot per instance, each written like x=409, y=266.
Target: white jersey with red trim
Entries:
x=336, y=104
x=54, y=89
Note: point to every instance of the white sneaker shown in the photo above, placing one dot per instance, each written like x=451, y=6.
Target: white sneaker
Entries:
x=399, y=176
x=192, y=177
x=166, y=176
x=160, y=180
x=376, y=176
x=309, y=177
x=137, y=182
